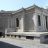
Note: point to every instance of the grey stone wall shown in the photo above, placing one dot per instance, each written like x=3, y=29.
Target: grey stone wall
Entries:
x=28, y=22
x=3, y=23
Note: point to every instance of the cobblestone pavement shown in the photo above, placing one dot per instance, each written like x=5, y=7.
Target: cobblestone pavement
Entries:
x=20, y=43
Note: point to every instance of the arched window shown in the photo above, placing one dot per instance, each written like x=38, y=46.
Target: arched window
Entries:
x=17, y=22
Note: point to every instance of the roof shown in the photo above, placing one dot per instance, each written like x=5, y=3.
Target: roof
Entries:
x=34, y=6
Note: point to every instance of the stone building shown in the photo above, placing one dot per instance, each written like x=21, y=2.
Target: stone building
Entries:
x=31, y=19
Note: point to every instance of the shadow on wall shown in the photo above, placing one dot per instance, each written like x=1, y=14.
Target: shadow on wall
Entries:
x=7, y=45
x=44, y=38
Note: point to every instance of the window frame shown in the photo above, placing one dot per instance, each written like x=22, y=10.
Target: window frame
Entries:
x=39, y=20
x=17, y=22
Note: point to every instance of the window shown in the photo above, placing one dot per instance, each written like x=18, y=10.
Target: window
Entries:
x=17, y=22
x=46, y=21
x=39, y=21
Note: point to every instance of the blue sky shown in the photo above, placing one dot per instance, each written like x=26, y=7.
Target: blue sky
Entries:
x=17, y=4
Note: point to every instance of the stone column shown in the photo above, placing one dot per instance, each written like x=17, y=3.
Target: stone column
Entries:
x=35, y=19
x=8, y=22
x=43, y=23
x=21, y=22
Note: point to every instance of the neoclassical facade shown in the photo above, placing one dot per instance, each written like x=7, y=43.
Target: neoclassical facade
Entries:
x=31, y=19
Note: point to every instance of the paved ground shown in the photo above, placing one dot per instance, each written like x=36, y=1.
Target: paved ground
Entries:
x=20, y=43
x=7, y=45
